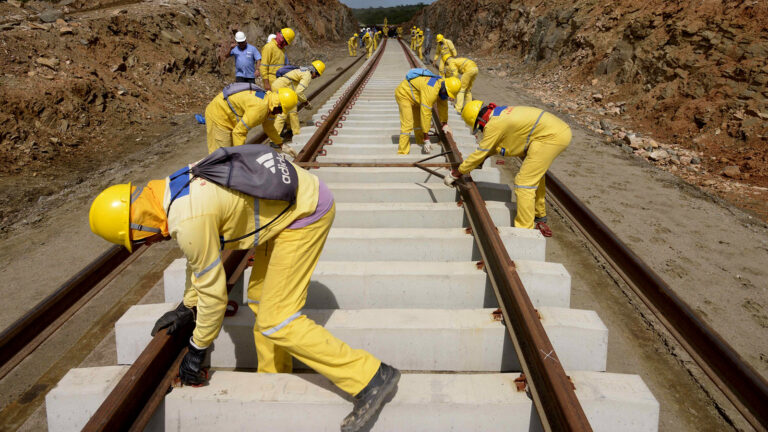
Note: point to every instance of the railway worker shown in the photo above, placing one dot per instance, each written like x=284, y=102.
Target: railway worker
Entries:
x=298, y=80
x=531, y=133
x=273, y=56
x=368, y=44
x=204, y=218
x=415, y=98
x=413, y=36
x=352, y=45
x=455, y=66
x=444, y=47
x=247, y=59
x=376, y=40
x=239, y=108
x=399, y=32
x=419, y=43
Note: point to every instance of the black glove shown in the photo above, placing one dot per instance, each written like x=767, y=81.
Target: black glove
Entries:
x=191, y=371
x=174, y=319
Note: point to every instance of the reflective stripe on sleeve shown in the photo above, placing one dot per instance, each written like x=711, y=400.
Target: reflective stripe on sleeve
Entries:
x=209, y=268
x=281, y=325
x=526, y=187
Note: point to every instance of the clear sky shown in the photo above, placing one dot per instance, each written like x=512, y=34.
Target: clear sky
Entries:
x=382, y=3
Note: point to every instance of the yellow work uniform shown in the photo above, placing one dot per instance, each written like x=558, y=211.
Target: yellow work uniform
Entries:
x=376, y=39
x=227, y=124
x=537, y=136
x=413, y=40
x=298, y=80
x=443, y=47
x=399, y=32
x=202, y=214
x=468, y=71
x=352, y=45
x=419, y=45
x=368, y=45
x=272, y=59
x=415, y=99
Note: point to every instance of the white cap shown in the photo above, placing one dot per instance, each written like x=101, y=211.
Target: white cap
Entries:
x=239, y=37
x=270, y=37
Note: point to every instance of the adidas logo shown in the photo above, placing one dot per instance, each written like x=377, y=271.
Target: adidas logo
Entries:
x=267, y=161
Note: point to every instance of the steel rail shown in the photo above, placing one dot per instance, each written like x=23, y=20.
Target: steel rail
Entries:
x=370, y=165
x=551, y=389
x=138, y=394
x=22, y=337
x=740, y=383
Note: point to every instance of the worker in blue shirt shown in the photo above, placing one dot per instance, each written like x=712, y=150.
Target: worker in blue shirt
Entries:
x=247, y=59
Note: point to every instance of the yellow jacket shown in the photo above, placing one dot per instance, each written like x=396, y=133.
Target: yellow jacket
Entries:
x=297, y=79
x=443, y=48
x=367, y=40
x=352, y=43
x=459, y=65
x=377, y=37
x=202, y=214
x=272, y=59
x=419, y=40
x=509, y=130
x=425, y=91
x=252, y=109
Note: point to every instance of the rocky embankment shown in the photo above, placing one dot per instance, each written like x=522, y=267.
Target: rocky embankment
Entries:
x=78, y=75
x=691, y=75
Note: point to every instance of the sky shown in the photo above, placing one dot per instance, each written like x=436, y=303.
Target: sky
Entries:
x=383, y=3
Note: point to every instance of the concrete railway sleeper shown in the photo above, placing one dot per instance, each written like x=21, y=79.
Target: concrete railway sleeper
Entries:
x=412, y=271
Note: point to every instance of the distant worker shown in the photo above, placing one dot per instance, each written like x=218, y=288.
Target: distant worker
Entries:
x=239, y=108
x=419, y=44
x=297, y=79
x=376, y=40
x=455, y=66
x=415, y=97
x=385, y=29
x=247, y=59
x=273, y=56
x=427, y=42
x=288, y=224
x=368, y=45
x=413, y=36
x=352, y=45
x=444, y=46
x=399, y=32
x=531, y=133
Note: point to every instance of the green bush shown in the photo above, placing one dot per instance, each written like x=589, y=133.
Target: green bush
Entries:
x=395, y=15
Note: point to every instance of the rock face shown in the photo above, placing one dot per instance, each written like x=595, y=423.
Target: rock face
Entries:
x=66, y=98
x=684, y=69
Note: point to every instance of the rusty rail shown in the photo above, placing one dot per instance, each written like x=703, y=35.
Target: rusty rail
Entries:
x=740, y=383
x=27, y=333
x=131, y=404
x=552, y=392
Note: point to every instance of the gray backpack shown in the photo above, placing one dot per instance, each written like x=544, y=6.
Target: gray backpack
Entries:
x=252, y=169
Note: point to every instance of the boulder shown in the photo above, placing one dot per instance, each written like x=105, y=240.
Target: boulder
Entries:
x=52, y=63
x=659, y=155
x=732, y=171
x=51, y=15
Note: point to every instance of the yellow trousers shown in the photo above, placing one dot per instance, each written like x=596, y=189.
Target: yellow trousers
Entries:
x=420, y=52
x=369, y=51
x=441, y=67
x=465, y=94
x=530, y=190
x=410, y=121
x=217, y=136
x=293, y=118
x=277, y=291
x=352, y=50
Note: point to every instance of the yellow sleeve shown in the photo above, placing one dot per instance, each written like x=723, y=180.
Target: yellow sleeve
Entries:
x=271, y=131
x=265, y=60
x=489, y=146
x=442, y=110
x=253, y=115
x=198, y=239
x=306, y=78
x=452, y=49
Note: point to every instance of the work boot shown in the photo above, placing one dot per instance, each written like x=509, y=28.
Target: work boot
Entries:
x=371, y=399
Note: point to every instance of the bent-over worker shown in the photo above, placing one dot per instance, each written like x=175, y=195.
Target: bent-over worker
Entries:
x=204, y=218
x=352, y=45
x=531, y=133
x=444, y=47
x=368, y=44
x=455, y=66
x=298, y=80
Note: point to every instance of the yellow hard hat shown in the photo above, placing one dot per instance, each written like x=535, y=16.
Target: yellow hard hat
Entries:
x=452, y=86
x=439, y=37
x=354, y=35
x=288, y=35
x=288, y=99
x=470, y=112
x=109, y=216
x=319, y=66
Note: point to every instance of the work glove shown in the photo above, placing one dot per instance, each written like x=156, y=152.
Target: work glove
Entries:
x=308, y=105
x=447, y=129
x=285, y=149
x=427, y=147
x=174, y=319
x=451, y=177
x=191, y=371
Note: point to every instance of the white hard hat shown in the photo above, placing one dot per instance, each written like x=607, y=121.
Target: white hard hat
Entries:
x=239, y=37
x=270, y=37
